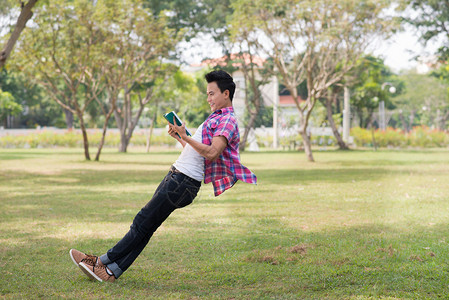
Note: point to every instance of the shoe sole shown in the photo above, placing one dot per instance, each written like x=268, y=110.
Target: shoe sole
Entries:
x=89, y=273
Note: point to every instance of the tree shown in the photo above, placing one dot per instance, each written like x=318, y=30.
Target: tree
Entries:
x=197, y=18
x=38, y=108
x=25, y=14
x=256, y=76
x=8, y=107
x=369, y=83
x=313, y=41
x=60, y=52
x=86, y=53
x=431, y=18
x=137, y=43
x=330, y=101
x=424, y=101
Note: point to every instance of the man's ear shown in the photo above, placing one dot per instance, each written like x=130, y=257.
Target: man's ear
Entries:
x=226, y=93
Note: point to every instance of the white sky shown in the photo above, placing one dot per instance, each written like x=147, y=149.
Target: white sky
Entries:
x=398, y=52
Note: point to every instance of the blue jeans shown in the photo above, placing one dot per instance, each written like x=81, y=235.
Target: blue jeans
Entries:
x=175, y=191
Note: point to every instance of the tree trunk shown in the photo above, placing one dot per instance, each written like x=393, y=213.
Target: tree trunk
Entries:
x=444, y=120
x=341, y=144
x=250, y=77
x=248, y=127
x=121, y=124
x=303, y=123
x=105, y=128
x=125, y=124
x=360, y=115
x=412, y=119
x=123, y=143
x=68, y=118
x=132, y=126
x=85, y=138
x=404, y=124
x=153, y=121
x=23, y=18
x=307, y=145
x=372, y=134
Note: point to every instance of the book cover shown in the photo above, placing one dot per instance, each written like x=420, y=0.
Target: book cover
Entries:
x=169, y=117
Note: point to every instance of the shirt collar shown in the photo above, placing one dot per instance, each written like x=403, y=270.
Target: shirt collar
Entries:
x=228, y=109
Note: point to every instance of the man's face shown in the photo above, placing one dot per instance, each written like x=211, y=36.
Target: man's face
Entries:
x=216, y=99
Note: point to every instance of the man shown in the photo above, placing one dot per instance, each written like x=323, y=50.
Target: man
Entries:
x=211, y=154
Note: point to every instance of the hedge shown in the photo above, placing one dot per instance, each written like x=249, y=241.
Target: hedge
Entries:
x=74, y=139
x=418, y=137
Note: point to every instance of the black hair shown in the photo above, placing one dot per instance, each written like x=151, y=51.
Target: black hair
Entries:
x=224, y=81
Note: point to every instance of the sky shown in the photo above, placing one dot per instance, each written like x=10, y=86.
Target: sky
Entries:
x=398, y=52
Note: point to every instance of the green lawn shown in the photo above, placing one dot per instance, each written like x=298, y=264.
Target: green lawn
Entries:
x=353, y=225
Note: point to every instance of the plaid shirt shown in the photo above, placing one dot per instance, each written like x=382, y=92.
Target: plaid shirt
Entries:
x=227, y=169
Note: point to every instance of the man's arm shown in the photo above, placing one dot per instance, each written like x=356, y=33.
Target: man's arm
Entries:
x=210, y=152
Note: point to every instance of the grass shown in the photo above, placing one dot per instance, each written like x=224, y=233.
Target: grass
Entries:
x=353, y=225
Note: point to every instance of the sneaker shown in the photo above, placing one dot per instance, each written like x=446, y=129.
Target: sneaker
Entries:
x=96, y=272
x=78, y=257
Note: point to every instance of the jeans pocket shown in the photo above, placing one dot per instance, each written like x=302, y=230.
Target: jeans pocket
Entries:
x=183, y=194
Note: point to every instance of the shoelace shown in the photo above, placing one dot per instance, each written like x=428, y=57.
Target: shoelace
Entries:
x=90, y=259
x=104, y=268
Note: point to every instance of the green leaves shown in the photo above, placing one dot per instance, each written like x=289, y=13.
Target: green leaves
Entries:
x=8, y=106
x=432, y=18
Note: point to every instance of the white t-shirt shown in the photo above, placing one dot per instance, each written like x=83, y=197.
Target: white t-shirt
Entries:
x=190, y=162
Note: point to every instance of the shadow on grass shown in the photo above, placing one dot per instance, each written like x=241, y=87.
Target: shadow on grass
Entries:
x=80, y=178
x=18, y=155
x=283, y=176
x=77, y=188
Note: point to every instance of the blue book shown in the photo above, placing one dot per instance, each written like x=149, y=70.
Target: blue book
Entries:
x=169, y=117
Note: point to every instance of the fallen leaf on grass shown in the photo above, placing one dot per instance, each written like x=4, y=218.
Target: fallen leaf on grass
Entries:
x=270, y=260
x=301, y=249
x=415, y=257
x=390, y=250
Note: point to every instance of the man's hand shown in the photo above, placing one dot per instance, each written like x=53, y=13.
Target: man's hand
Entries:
x=174, y=134
x=181, y=130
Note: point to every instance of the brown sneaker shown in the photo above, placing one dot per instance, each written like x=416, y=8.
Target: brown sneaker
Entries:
x=78, y=257
x=97, y=272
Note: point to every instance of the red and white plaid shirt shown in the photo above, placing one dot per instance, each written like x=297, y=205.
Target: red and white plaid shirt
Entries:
x=227, y=169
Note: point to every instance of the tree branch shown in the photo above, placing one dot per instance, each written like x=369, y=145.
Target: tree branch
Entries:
x=23, y=18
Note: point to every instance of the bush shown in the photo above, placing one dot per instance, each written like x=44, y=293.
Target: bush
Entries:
x=74, y=139
x=421, y=136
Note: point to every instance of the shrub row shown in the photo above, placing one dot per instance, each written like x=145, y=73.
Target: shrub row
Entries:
x=74, y=139
x=421, y=137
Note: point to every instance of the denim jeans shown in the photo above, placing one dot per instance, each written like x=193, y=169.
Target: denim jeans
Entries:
x=175, y=191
